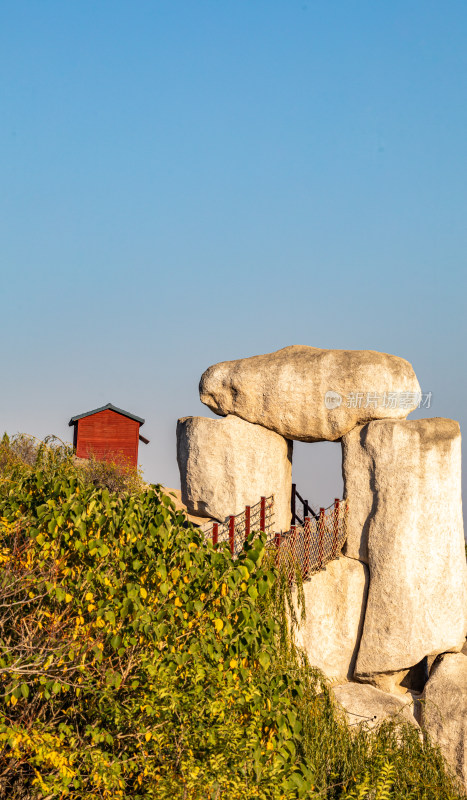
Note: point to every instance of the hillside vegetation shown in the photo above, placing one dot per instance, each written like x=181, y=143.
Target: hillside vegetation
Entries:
x=137, y=661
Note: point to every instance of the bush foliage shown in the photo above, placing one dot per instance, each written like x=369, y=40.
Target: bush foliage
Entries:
x=137, y=661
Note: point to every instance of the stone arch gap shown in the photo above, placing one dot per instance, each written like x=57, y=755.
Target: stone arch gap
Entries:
x=317, y=472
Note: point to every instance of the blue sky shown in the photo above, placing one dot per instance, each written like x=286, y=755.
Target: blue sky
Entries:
x=189, y=182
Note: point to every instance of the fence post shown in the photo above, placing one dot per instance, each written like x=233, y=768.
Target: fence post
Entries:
x=320, y=537
x=232, y=534
x=277, y=542
x=335, y=527
x=307, y=545
x=247, y=521
x=293, y=554
x=292, y=503
x=262, y=516
x=215, y=533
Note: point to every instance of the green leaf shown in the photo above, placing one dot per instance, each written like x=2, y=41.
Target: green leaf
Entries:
x=264, y=660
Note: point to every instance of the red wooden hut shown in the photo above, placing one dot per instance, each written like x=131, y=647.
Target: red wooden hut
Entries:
x=108, y=433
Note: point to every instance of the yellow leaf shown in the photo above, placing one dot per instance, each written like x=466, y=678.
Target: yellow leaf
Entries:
x=68, y=598
x=13, y=700
x=143, y=592
x=224, y=590
x=270, y=746
x=89, y=596
x=233, y=663
x=178, y=602
x=218, y=624
x=243, y=586
x=148, y=736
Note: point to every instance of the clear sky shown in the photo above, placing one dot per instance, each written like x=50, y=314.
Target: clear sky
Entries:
x=185, y=182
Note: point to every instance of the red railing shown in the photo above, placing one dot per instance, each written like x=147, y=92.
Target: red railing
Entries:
x=307, y=548
x=304, y=549
x=235, y=530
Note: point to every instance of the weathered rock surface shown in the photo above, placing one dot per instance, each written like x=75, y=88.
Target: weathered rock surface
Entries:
x=444, y=710
x=335, y=607
x=176, y=497
x=407, y=477
x=286, y=391
x=360, y=490
x=226, y=464
x=365, y=705
x=403, y=681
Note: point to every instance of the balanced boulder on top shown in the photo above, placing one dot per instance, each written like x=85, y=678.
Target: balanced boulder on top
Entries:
x=310, y=394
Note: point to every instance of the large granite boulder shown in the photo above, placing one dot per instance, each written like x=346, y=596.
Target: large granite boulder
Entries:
x=359, y=489
x=226, y=464
x=444, y=710
x=310, y=394
x=335, y=608
x=366, y=706
x=403, y=485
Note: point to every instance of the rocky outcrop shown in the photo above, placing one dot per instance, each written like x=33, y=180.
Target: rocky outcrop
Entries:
x=176, y=498
x=444, y=710
x=311, y=394
x=406, y=475
x=359, y=489
x=397, y=600
x=403, y=681
x=226, y=464
x=366, y=706
x=335, y=606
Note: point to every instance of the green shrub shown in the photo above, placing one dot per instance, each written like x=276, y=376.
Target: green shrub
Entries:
x=137, y=661
x=140, y=665
x=23, y=451
x=119, y=477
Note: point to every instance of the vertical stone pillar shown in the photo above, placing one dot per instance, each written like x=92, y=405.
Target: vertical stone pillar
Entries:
x=226, y=464
x=403, y=483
